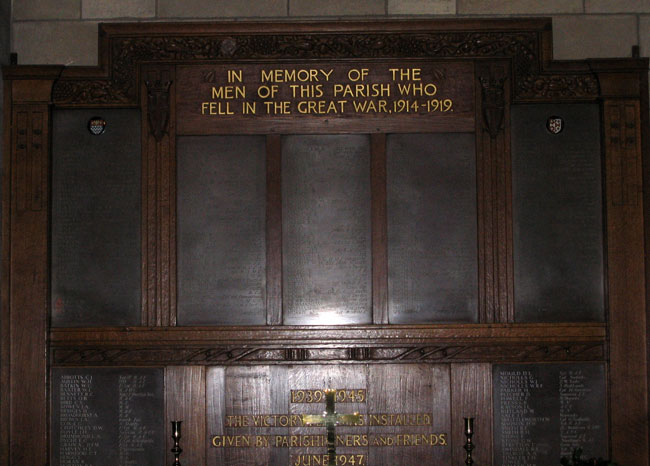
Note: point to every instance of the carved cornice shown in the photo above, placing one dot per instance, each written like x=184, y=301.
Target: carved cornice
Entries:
x=242, y=355
x=126, y=53
x=289, y=345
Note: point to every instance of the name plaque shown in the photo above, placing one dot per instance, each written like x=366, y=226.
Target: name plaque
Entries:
x=545, y=412
x=105, y=417
x=323, y=90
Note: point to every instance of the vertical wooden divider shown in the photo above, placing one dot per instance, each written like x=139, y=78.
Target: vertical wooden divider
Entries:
x=626, y=280
x=158, y=195
x=185, y=401
x=25, y=407
x=274, y=229
x=379, y=229
x=494, y=194
x=471, y=396
x=5, y=336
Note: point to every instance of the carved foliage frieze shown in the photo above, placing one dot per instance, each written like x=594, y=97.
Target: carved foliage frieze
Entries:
x=230, y=355
x=126, y=53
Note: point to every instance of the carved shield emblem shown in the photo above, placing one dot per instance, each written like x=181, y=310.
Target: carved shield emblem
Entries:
x=555, y=124
x=96, y=125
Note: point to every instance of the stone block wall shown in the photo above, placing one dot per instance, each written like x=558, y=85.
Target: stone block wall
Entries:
x=65, y=31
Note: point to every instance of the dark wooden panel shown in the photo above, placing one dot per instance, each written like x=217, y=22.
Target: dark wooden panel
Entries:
x=185, y=401
x=415, y=389
x=107, y=416
x=221, y=223
x=215, y=403
x=432, y=242
x=255, y=414
x=544, y=412
x=95, y=219
x=326, y=229
x=471, y=396
x=246, y=393
x=558, y=224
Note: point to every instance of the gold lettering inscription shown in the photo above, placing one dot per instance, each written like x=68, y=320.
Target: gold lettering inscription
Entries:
x=315, y=91
x=318, y=396
x=320, y=441
x=229, y=92
x=323, y=460
x=409, y=440
x=301, y=75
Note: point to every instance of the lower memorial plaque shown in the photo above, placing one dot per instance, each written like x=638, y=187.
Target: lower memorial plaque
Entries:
x=107, y=417
x=356, y=415
x=545, y=412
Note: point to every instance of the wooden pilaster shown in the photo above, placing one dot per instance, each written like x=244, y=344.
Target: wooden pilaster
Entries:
x=494, y=193
x=25, y=269
x=158, y=196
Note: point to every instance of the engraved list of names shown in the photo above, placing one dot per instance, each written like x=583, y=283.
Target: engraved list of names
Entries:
x=107, y=417
x=545, y=412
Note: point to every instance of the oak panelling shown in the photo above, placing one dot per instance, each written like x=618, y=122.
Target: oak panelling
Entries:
x=157, y=90
x=625, y=274
x=411, y=389
x=379, y=229
x=185, y=401
x=247, y=392
x=27, y=245
x=215, y=401
x=471, y=396
x=273, y=230
x=494, y=196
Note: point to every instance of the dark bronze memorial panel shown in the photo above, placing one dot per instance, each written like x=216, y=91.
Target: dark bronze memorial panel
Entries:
x=326, y=229
x=544, y=412
x=432, y=238
x=557, y=208
x=104, y=417
x=221, y=223
x=96, y=219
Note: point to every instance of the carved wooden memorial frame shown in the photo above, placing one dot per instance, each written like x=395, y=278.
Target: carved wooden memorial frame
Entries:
x=138, y=67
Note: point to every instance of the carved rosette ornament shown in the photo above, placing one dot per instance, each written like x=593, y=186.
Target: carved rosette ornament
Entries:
x=126, y=53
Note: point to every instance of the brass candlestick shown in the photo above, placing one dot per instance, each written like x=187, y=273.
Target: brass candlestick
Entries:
x=469, y=446
x=176, y=435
